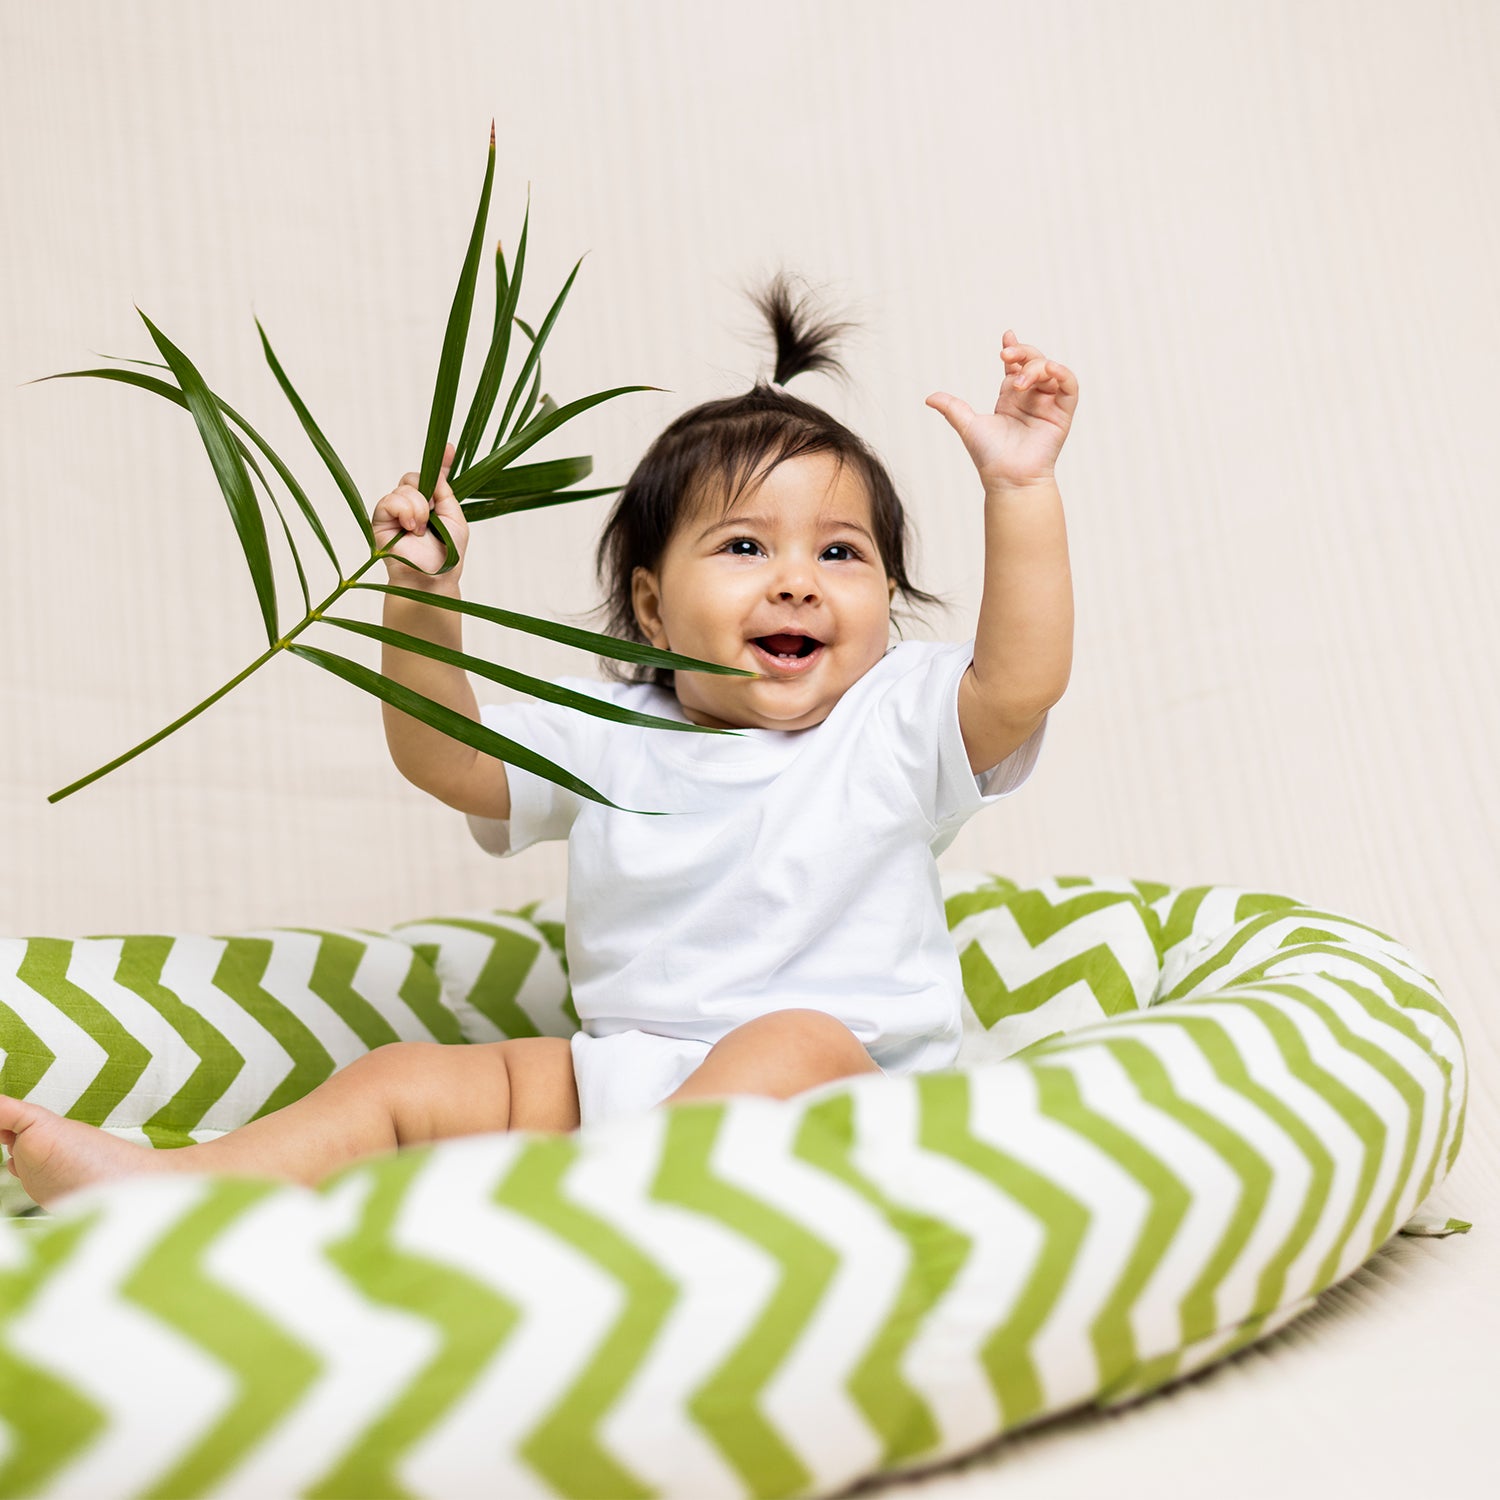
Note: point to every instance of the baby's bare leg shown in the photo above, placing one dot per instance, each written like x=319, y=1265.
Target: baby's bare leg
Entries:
x=778, y=1054
x=401, y=1094
x=349, y=1115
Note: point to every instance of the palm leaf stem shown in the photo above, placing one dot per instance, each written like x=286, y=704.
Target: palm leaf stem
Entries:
x=278, y=645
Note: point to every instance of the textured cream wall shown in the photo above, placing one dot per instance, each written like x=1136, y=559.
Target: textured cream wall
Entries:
x=1263, y=235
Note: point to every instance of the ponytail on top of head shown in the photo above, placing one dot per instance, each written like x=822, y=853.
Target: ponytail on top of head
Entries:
x=802, y=344
x=711, y=453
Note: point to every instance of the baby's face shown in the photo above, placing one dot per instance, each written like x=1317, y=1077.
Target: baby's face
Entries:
x=796, y=555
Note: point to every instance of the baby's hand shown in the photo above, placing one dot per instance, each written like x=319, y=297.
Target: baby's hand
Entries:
x=1019, y=444
x=403, y=513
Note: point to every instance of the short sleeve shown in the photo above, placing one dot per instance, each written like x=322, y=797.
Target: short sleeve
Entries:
x=539, y=808
x=918, y=715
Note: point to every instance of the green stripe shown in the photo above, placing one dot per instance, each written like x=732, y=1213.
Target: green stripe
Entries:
x=25, y=1056
x=1378, y=1008
x=272, y=1370
x=1255, y=903
x=332, y=980
x=946, y=1104
x=51, y=1422
x=556, y=935
x=471, y=1322
x=511, y=957
x=565, y=1447
x=991, y=999
x=725, y=1405
x=986, y=897
x=1289, y=1041
x=219, y=1061
x=1217, y=1045
x=422, y=993
x=1167, y=1201
x=935, y=1253
x=1399, y=1021
x=1182, y=916
x=1039, y=919
x=1412, y=1095
x=1149, y=1074
x=241, y=968
x=1224, y=947
x=1273, y=910
x=1197, y=1308
x=44, y=968
x=1408, y=995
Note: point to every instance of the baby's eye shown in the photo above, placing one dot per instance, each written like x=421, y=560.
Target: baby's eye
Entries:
x=831, y=547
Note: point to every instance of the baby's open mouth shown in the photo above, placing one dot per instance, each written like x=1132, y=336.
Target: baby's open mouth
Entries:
x=787, y=646
x=788, y=655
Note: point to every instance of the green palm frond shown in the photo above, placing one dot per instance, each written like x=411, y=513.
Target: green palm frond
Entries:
x=494, y=485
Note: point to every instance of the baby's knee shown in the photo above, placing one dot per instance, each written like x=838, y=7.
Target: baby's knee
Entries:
x=397, y=1059
x=434, y=1090
x=822, y=1045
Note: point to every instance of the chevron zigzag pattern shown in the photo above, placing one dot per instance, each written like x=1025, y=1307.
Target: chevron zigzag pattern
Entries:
x=1179, y=1116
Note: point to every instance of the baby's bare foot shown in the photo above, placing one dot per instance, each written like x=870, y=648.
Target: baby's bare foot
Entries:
x=53, y=1155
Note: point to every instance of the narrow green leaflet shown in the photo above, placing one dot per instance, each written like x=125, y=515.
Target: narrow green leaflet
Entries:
x=457, y=726
x=482, y=510
x=529, y=404
x=569, y=635
x=535, y=352
x=346, y=486
x=537, y=687
x=529, y=486
x=475, y=481
x=507, y=293
x=536, y=479
x=286, y=530
x=455, y=338
x=229, y=470
x=548, y=406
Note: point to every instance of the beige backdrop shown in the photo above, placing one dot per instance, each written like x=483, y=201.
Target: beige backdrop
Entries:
x=1264, y=236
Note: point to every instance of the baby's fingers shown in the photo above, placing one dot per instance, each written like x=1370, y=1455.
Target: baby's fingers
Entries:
x=406, y=507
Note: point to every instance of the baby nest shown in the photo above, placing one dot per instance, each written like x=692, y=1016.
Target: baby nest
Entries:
x=1179, y=1114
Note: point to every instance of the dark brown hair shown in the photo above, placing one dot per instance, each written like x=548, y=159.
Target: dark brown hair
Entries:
x=716, y=448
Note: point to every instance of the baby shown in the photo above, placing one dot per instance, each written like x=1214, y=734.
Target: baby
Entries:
x=782, y=928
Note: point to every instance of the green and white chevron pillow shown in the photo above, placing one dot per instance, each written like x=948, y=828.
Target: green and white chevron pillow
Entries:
x=758, y=1297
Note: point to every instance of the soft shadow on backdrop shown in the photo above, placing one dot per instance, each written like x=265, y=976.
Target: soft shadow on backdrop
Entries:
x=1264, y=237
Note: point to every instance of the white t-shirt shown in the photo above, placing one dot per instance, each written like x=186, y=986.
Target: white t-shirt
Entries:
x=798, y=868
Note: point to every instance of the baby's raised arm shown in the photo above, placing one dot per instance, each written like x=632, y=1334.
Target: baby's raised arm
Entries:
x=452, y=772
